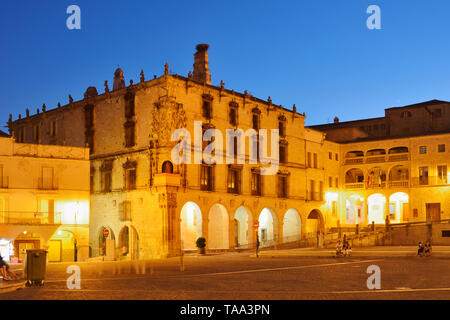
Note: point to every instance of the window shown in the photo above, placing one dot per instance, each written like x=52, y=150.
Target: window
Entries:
x=106, y=169
x=167, y=167
x=130, y=179
x=206, y=178
x=283, y=152
x=53, y=128
x=207, y=106
x=330, y=182
x=21, y=135
x=334, y=208
x=106, y=181
x=256, y=118
x=309, y=160
x=234, y=177
x=36, y=134
x=282, y=126
x=125, y=211
x=336, y=157
x=282, y=186
x=441, y=147
x=129, y=134
x=47, y=179
x=320, y=190
x=315, y=161
x=423, y=175
x=422, y=149
x=129, y=105
x=233, y=114
x=330, y=156
x=256, y=187
x=405, y=114
x=436, y=113
x=89, y=115
x=336, y=182
x=442, y=174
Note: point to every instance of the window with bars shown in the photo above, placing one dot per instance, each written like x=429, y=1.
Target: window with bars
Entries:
x=234, y=180
x=256, y=185
x=283, y=152
x=207, y=106
x=207, y=177
x=283, y=185
x=130, y=179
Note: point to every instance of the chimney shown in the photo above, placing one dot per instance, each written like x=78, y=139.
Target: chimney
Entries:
x=201, y=70
x=336, y=120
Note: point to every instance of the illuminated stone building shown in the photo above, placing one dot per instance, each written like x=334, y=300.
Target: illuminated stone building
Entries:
x=150, y=205
x=153, y=207
x=395, y=166
x=44, y=200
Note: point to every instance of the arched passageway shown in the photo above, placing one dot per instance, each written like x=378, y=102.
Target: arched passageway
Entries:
x=242, y=227
x=376, y=207
x=355, y=210
x=218, y=228
x=292, y=226
x=102, y=239
x=268, y=227
x=190, y=225
x=316, y=226
x=129, y=243
x=398, y=207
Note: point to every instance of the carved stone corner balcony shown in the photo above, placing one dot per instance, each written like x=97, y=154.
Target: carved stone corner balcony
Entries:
x=167, y=179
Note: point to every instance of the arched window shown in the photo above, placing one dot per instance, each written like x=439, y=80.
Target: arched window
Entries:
x=167, y=167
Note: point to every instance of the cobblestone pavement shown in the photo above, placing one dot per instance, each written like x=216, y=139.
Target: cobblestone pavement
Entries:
x=238, y=276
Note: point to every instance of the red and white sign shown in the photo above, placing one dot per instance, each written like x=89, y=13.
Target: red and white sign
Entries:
x=256, y=225
x=106, y=233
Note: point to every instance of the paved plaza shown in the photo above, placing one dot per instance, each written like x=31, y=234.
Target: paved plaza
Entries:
x=297, y=274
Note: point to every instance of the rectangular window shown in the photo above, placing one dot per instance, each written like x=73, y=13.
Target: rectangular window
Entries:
x=315, y=160
x=422, y=149
x=283, y=153
x=255, y=122
x=330, y=156
x=129, y=134
x=106, y=181
x=53, y=128
x=320, y=190
x=47, y=179
x=233, y=180
x=330, y=182
x=282, y=186
x=441, y=147
x=36, y=134
x=233, y=115
x=206, y=178
x=207, y=107
x=282, y=128
x=130, y=179
x=336, y=157
x=336, y=182
x=126, y=211
x=423, y=175
x=442, y=174
x=256, y=184
x=309, y=160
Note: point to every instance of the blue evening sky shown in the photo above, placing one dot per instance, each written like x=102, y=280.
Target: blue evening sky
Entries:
x=317, y=54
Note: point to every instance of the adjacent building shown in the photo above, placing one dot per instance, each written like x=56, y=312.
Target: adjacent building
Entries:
x=44, y=200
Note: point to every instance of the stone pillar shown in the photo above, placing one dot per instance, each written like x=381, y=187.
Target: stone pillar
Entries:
x=201, y=65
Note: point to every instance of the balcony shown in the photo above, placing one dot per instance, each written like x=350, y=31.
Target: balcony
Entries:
x=47, y=183
x=26, y=218
x=167, y=179
x=399, y=184
x=375, y=159
x=359, y=185
x=354, y=160
x=430, y=181
x=399, y=157
x=314, y=196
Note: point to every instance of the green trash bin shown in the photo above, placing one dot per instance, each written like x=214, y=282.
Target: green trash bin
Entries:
x=35, y=267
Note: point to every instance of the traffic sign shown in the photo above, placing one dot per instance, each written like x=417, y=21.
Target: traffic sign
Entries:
x=106, y=233
x=256, y=225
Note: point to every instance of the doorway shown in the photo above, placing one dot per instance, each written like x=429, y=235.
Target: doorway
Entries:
x=433, y=212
